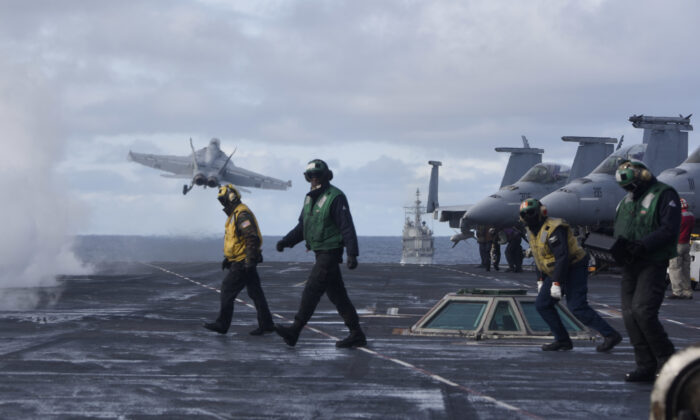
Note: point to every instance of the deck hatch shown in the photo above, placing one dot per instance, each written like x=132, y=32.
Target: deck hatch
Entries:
x=492, y=313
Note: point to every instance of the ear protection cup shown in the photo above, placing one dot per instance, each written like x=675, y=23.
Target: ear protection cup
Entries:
x=644, y=174
x=543, y=210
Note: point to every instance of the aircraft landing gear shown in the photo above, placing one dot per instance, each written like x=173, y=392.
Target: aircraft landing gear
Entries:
x=186, y=189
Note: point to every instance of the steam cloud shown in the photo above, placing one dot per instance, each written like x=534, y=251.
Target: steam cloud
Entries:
x=38, y=215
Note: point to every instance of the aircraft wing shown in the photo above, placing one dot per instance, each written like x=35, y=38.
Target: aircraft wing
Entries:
x=245, y=178
x=177, y=165
x=451, y=214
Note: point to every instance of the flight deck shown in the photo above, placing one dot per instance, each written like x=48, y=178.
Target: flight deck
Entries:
x=128, y=342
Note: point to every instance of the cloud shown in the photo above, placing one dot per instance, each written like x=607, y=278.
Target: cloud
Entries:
x=361, y=84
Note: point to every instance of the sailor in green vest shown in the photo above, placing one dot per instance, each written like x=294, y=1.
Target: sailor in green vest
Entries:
x=562, y=269
x=326, y=225
x=647, y=224
x=242, y=245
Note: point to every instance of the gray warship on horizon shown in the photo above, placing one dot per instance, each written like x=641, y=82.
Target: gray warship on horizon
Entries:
x=417, y=237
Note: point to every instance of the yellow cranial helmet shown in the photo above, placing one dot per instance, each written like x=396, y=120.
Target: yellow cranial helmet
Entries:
x=228, y=194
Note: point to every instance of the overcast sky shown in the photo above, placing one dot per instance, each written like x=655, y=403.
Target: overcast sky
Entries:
x=375, y=88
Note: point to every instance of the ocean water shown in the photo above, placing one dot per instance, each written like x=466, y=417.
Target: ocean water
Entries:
x=373, y=249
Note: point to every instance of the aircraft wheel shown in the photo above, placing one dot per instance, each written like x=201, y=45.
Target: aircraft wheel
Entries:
x=675, y=393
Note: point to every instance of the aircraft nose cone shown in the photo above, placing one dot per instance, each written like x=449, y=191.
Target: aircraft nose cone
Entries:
x=492, y=212
x=562, y=204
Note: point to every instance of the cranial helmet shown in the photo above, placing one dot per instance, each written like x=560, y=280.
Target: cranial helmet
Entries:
x=228, y=194
x=631, y=173
x=318, y=169
x=684, y=204
x=532, y=211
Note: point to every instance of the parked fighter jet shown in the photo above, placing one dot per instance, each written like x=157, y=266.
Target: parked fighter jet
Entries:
x=208, y=167
x=684, y=178
x=501, y=208
x=592, y=200
x=521, y=159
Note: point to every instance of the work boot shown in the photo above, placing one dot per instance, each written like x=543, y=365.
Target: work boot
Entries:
x=355, y=339
x=610, y=341
x=290, y=334
x=641, y=375
x=213, y=326
x=262, y=330
x=495, y=267
x=558, y=345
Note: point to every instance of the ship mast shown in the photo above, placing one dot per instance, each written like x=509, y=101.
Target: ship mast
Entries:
x=417, y=214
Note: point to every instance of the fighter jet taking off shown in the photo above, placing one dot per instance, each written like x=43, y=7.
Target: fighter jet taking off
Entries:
x=208, y=167
x=592, y=200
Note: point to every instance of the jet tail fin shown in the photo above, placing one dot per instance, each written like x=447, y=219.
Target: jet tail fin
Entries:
x=194, y=156
x=521, y=159
x=591, y=151
x=433, y=186
x=666, y=139
x=223, y=167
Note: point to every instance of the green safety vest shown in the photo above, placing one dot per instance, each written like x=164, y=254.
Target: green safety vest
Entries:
x=320, y=231
x=636, y=219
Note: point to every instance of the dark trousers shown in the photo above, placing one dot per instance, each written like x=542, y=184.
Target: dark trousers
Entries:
x=485, y=254
x=496, y=248
x=325, y=277
x=237, y=278
x=514, y=254
x=643, y=288
x=575, y=288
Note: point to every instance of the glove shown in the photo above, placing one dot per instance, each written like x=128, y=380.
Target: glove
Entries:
x=225, y=264
x=539, y=285
x=555, y=291
x=635, y=248
x=280, y=246
x=352, y=262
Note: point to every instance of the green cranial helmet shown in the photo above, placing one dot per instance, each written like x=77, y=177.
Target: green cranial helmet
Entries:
x=532, y=210
x=631, y=172
x=318, y=169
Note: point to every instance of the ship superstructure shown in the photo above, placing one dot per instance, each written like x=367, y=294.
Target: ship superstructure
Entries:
x=417, y=237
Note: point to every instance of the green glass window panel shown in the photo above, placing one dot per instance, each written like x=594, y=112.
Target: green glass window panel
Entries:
x=504, y=318
x=537, y=323
x=456, y=315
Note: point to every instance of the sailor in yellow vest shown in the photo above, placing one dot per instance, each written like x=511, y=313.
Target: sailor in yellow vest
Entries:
x=562, y=269
x=242, y=252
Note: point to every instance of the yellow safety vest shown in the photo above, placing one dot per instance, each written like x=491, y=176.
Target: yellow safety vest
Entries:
x=544, y=258
x=234, y=244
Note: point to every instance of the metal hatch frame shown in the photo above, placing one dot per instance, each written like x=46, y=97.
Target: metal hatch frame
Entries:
x=482, y=329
